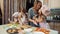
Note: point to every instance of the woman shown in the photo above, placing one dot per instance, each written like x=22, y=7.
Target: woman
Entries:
x=33, y=11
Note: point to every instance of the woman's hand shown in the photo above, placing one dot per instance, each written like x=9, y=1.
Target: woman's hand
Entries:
x=33, y=21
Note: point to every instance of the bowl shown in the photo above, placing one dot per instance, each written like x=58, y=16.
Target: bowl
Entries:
x=28, y=30
x=11, y=31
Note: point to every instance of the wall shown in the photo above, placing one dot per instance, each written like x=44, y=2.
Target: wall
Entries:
x=54, y=3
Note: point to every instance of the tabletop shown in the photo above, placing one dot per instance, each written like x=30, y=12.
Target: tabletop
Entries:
x=4, y=27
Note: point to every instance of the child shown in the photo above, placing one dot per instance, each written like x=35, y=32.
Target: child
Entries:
x=42, y=21
x=22, y=16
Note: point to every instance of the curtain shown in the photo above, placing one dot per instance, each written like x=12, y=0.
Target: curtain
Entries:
x=11, y=6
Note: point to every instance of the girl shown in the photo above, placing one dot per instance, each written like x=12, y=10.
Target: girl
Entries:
x=40, y=20
x=22, y=16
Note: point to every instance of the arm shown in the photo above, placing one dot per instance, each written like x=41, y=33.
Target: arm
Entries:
x=45, y=10
x=30, y=16
x=35, y=18
x=33, y=21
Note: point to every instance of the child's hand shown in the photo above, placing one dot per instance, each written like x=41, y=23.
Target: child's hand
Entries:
x=35, y=22
x=34, y=17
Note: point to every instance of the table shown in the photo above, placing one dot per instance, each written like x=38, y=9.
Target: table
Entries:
x=3, y=31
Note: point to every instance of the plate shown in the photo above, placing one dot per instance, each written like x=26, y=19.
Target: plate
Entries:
x=38, y=33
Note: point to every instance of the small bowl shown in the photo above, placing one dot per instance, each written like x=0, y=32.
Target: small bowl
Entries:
x=28, y=30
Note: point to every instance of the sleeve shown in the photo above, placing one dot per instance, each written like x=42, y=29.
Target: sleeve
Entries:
x=29, y=14
x=15, y=14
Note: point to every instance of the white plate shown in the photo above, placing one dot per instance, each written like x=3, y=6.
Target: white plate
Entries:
x=38, y=33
